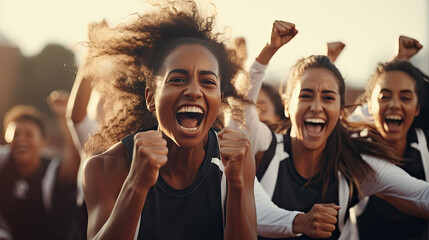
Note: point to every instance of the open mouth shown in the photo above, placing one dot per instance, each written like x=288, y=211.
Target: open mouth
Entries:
x=190, y=117
x=314, y=125
x=393, y=121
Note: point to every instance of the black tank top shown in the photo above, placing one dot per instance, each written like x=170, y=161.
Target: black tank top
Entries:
x=290, y=192
x=381, y=220
x=195, y=212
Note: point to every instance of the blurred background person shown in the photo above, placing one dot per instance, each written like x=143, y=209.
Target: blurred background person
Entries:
x=38, y=192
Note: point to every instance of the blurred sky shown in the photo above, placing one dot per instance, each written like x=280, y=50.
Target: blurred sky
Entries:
x=369, y=28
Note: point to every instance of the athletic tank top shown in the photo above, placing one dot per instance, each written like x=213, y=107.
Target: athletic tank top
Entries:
x=23, y=202
x=286, y=186
x=381, y=220
x=195, y=212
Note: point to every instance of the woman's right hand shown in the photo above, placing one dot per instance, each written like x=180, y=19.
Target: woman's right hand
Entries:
x=319, y=222
x=282, y=33
x=150, y=154
x=408, y=47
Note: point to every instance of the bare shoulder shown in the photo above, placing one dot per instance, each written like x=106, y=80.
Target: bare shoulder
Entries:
x=108, y=169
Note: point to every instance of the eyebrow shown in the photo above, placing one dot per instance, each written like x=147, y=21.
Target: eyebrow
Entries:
x=183, y=71
x=402, y=91
x=323, y=91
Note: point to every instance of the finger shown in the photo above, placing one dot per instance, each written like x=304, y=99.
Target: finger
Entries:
x=328, y=228
x=227, y=131
x=331, y=205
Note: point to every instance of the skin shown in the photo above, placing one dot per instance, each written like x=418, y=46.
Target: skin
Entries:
x=316, y=95
x=25, y=146
x=408, y=47
x=115, y=192
x=70, y=163
x=394, y=95
x=334, y=50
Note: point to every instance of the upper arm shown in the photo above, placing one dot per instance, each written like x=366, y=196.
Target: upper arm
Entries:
x=392, y=182
x=101, y=186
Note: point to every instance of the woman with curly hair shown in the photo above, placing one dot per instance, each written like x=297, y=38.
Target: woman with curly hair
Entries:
x=171, y=176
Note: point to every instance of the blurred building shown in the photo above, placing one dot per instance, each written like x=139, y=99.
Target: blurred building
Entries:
x=10, y=62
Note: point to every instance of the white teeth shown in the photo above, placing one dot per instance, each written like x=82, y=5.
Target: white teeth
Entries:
x=192, y=109
x=315, y=120
x=188, y=129
x=394, y=117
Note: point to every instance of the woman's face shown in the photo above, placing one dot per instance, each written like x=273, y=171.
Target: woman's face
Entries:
x=26, y=142
x=266, y=108
x=394, y=105
x=188, y=97
x=314, y=107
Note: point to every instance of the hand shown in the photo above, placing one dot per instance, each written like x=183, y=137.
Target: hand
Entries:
x=319, y=222
x=150, y=154
x=57, y=102
x=408, y=47
x=282, y=33
x=239, y=45
x=334, y=50
x=234, y=146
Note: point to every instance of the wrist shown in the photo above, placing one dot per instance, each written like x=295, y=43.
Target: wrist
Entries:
x=297, y=224
x=266, y=54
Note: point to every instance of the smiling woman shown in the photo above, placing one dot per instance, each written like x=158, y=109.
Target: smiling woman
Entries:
x=171, y=175
x=397, y=96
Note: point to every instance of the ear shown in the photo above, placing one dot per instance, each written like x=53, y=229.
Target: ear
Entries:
x=150, y=100
x=221, y=97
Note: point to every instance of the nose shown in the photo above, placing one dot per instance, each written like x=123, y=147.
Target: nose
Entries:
x=316, y=106
x=394, y=103
x=193, y=89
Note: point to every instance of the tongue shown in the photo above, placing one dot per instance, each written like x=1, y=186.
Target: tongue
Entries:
x=393, y=126
x=187, y=122
x=313, y=129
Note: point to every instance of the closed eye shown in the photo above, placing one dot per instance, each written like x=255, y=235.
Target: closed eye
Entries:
x=306, y=96
x=208, y=81
x=176, y=80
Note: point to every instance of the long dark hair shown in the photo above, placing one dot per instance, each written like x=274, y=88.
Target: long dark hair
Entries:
x=342, y=152
x=136, y=51
x=422, y=87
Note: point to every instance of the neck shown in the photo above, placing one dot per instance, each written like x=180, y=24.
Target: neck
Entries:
x=399, y=146
x=306, y=160
x=182, y=165
x=26, y=167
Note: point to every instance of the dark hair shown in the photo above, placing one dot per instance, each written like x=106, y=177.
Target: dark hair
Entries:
x=342, y=152
x=25, y=112
x=137, y=51
x=422, y=87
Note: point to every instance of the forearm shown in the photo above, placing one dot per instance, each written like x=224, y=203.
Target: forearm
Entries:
x=71, y=161
x=79, y=98
x=125, y=215
x=266, y=54
x=391, y=182
x=240, y=215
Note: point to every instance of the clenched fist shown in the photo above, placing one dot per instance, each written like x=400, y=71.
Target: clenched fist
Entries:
x=234, y=147
x=150, y=154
